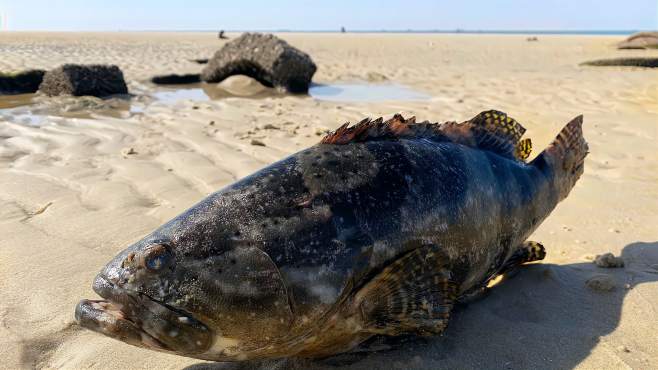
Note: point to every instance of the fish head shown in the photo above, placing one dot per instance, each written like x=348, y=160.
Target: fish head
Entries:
x=191, y=288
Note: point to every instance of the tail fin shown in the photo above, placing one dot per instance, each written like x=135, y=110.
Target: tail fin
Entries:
x=565, y=156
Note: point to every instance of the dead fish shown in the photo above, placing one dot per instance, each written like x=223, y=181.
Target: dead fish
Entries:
x=380, y=229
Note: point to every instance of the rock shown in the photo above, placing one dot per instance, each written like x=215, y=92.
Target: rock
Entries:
x=174, y=79
x=257, y=142
x=601, y=283
x=376, y=77
x=608, y=260
x=200, y=61
x=128, y=151
x=78, y=80
x=264, y=57
x=640, y=40
x=623, y=349
x=532, y=39
x=22, y=82
x=625, y=62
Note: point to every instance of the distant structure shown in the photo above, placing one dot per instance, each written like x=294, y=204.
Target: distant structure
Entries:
x=342, y=30
x=221, y=35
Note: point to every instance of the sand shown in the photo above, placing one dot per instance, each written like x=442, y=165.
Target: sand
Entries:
x=95, y=176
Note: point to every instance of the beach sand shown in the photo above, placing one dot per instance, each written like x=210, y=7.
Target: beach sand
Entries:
x=73, y=193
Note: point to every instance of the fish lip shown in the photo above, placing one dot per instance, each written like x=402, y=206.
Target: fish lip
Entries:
x=117, y=314
x=109, y=317
x=92, y=315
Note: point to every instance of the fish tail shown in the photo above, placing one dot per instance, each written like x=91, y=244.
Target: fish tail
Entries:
x=565, y=156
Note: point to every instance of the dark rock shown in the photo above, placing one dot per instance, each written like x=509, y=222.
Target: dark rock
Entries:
x=264, y=57
x=640, y=40
x=625, y=62
x=200, y=61
x=21, y=83
x=174, y=79
x=95, y=80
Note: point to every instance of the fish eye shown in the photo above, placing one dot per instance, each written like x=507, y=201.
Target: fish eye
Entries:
x=156, y=257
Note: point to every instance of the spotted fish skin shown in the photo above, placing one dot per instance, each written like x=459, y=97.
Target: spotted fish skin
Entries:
x=316, y=253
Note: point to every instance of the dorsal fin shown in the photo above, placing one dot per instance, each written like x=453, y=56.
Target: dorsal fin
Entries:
x=396, y=127
x=490, y=130
x=499, y=123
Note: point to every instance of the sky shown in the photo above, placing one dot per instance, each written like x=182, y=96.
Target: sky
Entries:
x=187, y=15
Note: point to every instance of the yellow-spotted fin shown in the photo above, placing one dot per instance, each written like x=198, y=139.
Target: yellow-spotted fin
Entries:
x=493, y=131
x=499, y=123
x=523, y=149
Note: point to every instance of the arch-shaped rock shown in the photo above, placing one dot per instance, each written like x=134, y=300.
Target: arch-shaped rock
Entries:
x=264, y=57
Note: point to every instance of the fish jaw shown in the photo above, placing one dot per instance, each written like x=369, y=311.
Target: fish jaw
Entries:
x=139, y=320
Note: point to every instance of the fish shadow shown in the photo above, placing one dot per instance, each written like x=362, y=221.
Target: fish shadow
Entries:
x=545, y=317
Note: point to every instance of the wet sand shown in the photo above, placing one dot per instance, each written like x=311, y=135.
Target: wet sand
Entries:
x=92, y=176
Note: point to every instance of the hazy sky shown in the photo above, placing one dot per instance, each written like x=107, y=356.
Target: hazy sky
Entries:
x=329, y=15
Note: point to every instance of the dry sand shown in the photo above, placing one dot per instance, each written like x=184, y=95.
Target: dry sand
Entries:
x=73, y=193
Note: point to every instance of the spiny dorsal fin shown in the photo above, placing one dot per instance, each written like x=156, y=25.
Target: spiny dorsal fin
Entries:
x=490, y=130
x=367, y=129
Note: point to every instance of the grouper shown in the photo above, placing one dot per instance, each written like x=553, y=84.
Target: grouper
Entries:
x=379, y=230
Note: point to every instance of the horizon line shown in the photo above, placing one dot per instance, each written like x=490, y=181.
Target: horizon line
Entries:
x=444, y=31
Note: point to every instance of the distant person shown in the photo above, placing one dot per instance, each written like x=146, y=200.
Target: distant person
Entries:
x=221, y=35
x=342, y=30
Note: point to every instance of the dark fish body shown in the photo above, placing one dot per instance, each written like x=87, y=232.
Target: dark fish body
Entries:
x=379, y=229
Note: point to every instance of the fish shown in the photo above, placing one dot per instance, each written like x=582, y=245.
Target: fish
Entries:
x=379, y=230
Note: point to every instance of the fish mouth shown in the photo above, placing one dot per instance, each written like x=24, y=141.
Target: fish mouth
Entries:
x=139, y=320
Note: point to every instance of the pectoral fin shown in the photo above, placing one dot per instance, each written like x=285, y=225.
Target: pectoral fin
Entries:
x=414, y=294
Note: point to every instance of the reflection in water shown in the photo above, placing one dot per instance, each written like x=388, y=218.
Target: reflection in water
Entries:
x=354, y=92
x=234, y=86
x=170, y=96
x=13, y=101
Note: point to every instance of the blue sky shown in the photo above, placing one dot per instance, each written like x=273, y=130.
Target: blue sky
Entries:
x=329, y=15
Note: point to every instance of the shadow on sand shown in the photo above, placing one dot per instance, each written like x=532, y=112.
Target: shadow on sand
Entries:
x=543, y=318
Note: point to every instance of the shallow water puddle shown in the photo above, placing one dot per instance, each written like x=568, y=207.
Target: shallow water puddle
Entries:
x=354, y=92
x=24, y=118
x=171, y=96
x=347, y=92
x=235, y=86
